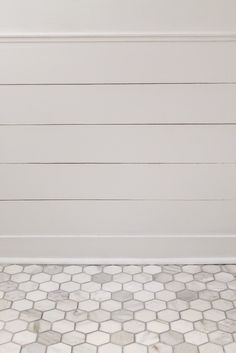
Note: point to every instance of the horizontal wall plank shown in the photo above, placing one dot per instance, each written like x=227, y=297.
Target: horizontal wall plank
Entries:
x=118, y=144
x=116, y=17
x=118, y=104
x=117, y=62
x=118, y=181
x=145, y=218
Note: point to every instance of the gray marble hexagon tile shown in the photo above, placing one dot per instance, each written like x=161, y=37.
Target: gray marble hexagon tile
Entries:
x=118, y=309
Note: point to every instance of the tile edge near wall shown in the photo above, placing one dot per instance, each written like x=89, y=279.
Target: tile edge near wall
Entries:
x=124, y=250
x=119, y=261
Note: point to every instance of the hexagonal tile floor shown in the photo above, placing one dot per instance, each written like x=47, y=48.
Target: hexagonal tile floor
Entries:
x=118, y=309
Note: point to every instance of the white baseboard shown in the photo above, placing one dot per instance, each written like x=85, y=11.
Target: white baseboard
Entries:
x=118, y=250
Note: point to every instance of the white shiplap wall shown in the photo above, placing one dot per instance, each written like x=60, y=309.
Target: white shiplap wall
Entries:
x=118, y=134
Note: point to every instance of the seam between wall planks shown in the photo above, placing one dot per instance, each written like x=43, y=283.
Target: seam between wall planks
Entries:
x=118, y=199
x=114, y=124
x=120, y=83
x=117, y=163
x=122, y=236
x=53, y=37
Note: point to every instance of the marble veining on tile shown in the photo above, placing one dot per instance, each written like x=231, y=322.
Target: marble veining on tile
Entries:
x=117, y=309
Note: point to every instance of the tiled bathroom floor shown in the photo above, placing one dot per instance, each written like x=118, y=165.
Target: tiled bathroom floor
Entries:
x=118, y=309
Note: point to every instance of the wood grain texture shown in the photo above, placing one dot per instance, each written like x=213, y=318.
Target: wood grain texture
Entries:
x=118, y=181
x=118, y=104
x=117, y=62
x=118, y=144
x=117, y=218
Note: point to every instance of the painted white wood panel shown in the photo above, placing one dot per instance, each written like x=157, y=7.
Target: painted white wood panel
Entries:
x=110, y=218
x=118, y=250
x=116, y=16
x=118, y=144
x=118, y=181
x=118, y=104
x=117, y=62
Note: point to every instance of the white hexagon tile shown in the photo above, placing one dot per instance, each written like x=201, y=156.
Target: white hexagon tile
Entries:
x=118, y=309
